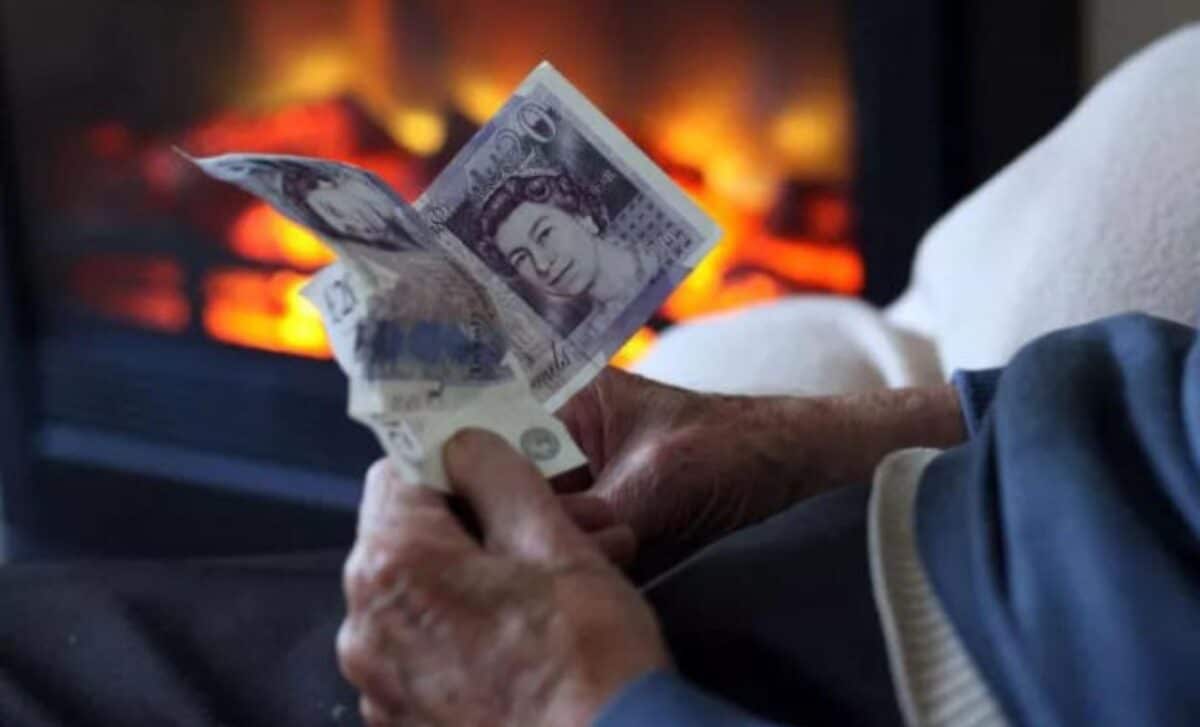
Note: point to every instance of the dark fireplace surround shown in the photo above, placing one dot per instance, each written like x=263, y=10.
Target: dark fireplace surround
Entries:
x=237, y=451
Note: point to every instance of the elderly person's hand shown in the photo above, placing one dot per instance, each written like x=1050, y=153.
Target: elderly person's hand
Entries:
x=683, y=468
x=530, y=626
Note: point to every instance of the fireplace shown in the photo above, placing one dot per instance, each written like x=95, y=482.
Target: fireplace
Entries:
x=158, y=342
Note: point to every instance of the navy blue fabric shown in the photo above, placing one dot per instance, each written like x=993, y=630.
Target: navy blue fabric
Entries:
x=780, y=620
x=975, y=392
x=777, y=619
x=1064, y=539
x=662, y=698
x=232, y=642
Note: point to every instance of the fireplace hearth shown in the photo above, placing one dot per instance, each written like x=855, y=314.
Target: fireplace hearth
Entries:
x=156, y=350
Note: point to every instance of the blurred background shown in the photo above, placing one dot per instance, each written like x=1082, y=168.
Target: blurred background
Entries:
x=165, y=390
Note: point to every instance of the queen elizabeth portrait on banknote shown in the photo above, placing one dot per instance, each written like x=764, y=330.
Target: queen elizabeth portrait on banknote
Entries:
x=574, y=232
x=341, y=203
x=543, y=227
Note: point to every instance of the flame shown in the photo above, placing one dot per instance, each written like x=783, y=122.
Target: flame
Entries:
x=811, y=138
x=262, y=234
x=331, y=129
x=357, y=81
x=749, y=266
x=421, y=132
x=321, y=128
x=635, y=348
x=803, y=263
x=317, y=74
x=479, y=98
x=829, y=217
x=734, y=177
x=146, y=291
x=263, y=310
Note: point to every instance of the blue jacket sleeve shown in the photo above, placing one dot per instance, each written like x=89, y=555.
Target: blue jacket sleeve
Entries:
x=661, y=698
x=975, y=392
x=1063, y=540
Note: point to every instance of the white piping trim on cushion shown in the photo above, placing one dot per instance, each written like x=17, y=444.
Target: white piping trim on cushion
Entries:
x=936, y=682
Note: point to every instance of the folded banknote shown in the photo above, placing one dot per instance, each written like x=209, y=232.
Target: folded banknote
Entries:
x=544, y=245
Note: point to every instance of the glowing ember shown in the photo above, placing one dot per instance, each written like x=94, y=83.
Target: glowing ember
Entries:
x=263, y=310
x=262, y=234
x=811, y=265
x=812, y=138
x=635, y=348
x=750, y=266
x=110, y=140
x=355, y=81
x=478, y=98
x=323, y=128
x=145, y=291
x=421, y=132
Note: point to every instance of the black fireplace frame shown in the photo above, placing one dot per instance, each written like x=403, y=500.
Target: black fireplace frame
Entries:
x=947, y=92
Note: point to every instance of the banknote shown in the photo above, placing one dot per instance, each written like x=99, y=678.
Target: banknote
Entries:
x=547, y=241
x=341, y=298
x=412, y=419
x=419, y=340
x=576, y=234
x=352, y=210
x=424, y=320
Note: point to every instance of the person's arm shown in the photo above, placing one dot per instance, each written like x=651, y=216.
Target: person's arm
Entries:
x=843, y=437
x=684, y=468
x=1063, y=542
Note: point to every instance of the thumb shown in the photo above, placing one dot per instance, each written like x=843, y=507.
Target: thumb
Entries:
x=517, y=510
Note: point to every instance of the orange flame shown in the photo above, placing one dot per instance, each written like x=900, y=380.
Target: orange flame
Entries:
x=263, y=310
x=635, y=348
x=750, y=266
x=321, y=128
x=262, y=234
x=334, y=79
x=145, y=291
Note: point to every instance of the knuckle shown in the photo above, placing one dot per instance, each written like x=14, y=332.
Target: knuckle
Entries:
x=354, y=656
x=385, y=712
x=378, y=561
x=357, y=582
x=404, y=595
x=355, y=587
x=369, y=669
x=379, y=469
x=373, y=715
x=409, y=609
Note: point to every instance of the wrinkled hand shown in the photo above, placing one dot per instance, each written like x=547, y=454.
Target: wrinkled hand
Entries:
x=682, y=468
x=685, y=468
x=532, y=626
